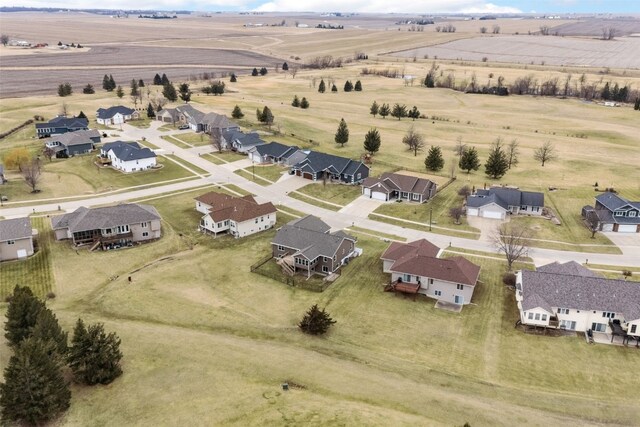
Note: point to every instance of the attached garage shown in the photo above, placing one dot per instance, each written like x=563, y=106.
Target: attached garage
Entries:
x=377, y=195
x=307, y=175
x=472, y=211
x=493, y=212
x=627, y=228
x=366, y=192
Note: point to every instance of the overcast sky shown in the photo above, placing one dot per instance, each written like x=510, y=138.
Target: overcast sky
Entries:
x=382, y=6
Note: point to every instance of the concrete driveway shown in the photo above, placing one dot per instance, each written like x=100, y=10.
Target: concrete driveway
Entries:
x=629, y=243
x=361, y=207
x=288, y=183
x=487, y=226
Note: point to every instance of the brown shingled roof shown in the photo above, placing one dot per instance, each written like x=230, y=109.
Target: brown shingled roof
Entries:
x=238, y=209
x=419, y=247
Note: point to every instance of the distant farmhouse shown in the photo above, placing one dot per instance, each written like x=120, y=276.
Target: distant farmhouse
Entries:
x=196, y=119
x=116, y=115
x=60, y=125
x=497, y=202
x=16, y=239
x=109, y=227
x=614, y=213
x=73, y=143
x=127, y=156
x=393, y=186
x=239, y=216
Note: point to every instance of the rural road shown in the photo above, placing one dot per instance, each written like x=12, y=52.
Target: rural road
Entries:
x=278, y=194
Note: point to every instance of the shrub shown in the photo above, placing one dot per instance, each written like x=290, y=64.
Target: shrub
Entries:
x=315, y=321
x=509, y=279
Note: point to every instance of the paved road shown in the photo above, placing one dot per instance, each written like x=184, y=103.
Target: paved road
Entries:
x=278, y=194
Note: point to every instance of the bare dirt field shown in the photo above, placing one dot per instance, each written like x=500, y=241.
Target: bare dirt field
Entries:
x=593, y=27
x=619, y=53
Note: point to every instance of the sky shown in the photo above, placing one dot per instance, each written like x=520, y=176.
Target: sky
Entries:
x=364, y=6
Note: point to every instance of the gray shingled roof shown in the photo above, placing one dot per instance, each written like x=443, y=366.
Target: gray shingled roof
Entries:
x=505, y=197
x=15, y=229
x=78, y=137
x=107, y=113
x=398, y=182
x=570, y=268
x=61, y=121
x=311, y=222
x=276, y=149
x=84, y=219
x=318, y=162
x=304, y=237
x=128, y=150
x=540, y=289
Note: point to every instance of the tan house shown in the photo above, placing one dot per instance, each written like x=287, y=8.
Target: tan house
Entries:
x=416, y=268
x=394, y=186
x=109, y=227
x=239, y=216
x=16, y=239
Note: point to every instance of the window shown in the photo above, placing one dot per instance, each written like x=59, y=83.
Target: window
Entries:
x=460, y=287
x=608, y=314
x=123, y=229
x=523, y=208
x=144, y=225
x=563, y=311
x=633, y=329
x=416, y=196
x=11, y=242
x=544, y=318
x=406, y=277
x=145, y=234
x=261, y=219
x=219, y=225
x=325, y=269
x=256, y=220
x=535, y=209
x=599, y=327
x=437, y=293
x=619, y=213
x=431, y=281
x=530, y=316
x=537, y=316
x=632, y=213
x=325, y=259
x=359, y=175
x=568, y=325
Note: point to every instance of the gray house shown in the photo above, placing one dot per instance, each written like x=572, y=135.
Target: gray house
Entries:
x=61, y=124
x=307, y=245
x=317, y=166
x=391, y=186
x=241, y=142
x=73, y=143
x=109, y=227
x=614, y=213
x=197, y=120
x=16, y=239
x=497, y=202
x=273, y=152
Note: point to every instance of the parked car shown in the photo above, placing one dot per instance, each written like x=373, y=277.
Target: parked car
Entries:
x=183, y=127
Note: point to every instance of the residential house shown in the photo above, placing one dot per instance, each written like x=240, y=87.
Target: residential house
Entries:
x=73, y=143
x=128, y=156
x=241, y=142
x=572, y=297
x=316, y=166
x=497, y=202
x=417, y=268
x=391, y=186
x=60, y=125
x=109, y=227
x=197, y=120
x=16, y=239
x=614, y=213
x=116, y=115
x=308, y=246
x=273, y=152
x=239, y=216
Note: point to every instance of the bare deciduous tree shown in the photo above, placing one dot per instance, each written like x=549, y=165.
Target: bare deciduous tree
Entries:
x=456, y=213
x=216, y=139
x=293, y=71
x=48, y=152
x=460, y=147
x=512, y=240
x=31, y=171
x=512, y=152
x=592, y=222
x=546, y=153
x=464, y=191
x=414, y=141
x=609, y=33
x=64, y=109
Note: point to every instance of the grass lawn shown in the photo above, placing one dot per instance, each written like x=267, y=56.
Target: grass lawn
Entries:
x=315, y=202
x=366, y=231
x=290, y=211
x=338, y=194
x=167, y=128
x=224, y=157
x=143, y=122
x=175, y=141
x=35, y=271
x=186, y=163
x=235, y=190
x=195, y=139
x=246, y=173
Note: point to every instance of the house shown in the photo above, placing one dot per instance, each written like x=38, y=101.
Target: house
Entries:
x=392, y=186
x=308, y=246
x=239, y=216
x=127, y=156
x=60, y=125
x=109, y=227
x=273, y=152
x=239, y=141
x=317, y=166
x=196, y=119
x=572, y=297
x=614, y=213
x=417, y=268
x=16, y=239
x=497, y=202
x=73, y=143
x=116, y=115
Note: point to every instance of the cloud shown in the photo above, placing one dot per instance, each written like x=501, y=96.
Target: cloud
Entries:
x=386, y=6
x=140, y=4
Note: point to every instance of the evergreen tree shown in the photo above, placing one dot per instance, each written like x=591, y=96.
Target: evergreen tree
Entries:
x=217, y=88
x=34, y=390
x=469, y=160
x=374, y=109
x=82, y=115
x=358, y=86
x=497, y=163
x=348, y=86
x=259, y=115
x=134, y=88
x=254, y=72
x=321, y=86
x=94, y=356
x=233, y=78
x=334, y=88
x=342, y=134
x=157, y=80
x=119, y=92
x=636, y=106
x=164, y=79
x=68, y=90
x=606, y=92
x=48, y=330
x=263, y=71
x=112, y=83
x=185, y=93
x=140, y=83
x=22, y=315
x=106, y=84
x=237, y=113
x=316, y=321
x=61, y=91
x=285, y=67
x=399, y=111
x=372, y=141
x=150, y=112
x=88, y=89
x=296, y=101
x=384, y=110
x=304, y=104
x=414, y=113
x=434, y=161
x=430, y=81
x=267, y=116
x=169, y=92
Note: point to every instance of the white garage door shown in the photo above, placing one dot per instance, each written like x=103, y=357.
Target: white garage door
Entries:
x=22, y=253
x=367, y=192
x=472, y=212
x=492, y=214
x=378, y=196
x=627, y=228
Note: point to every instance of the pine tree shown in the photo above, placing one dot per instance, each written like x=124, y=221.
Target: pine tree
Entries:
x=430, y=81
x=434, y=161
x=157, y=80
x=48, y=330
x=61, y=91
x=296, y=101
x=150, y=112
x=285, y=67
x=259, y=115
x=414, y=113
x=169, y=92
x=233, y=78
x=82, y=115
x=267, y=116
x=237, y=113
x=304, y=104
x=263, y=71
x=164, y=79
x=497, y=163
x=342, y=134
x=140, y=83
x=348, y=86
x=606, y=92
x=185, y=93
x=316, y=321
x=88, y=89
x=374, y=109
x=334, y=88
x=112, y=83
x=372, y=141
x=106, y=84
x=68, y=90
x=469, y=160
x=254, y=72
x=321, y=86
x=134, y=88
x=34, y=390
x=636, y=106
x=119, y=92
x=22, y=315
x=384, y=110
x=358, y=86
x=399, y=111
x=94, y=356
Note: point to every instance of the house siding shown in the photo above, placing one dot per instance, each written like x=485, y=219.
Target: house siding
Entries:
x=250, y=226
x=448, y=290
x=10, y=252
